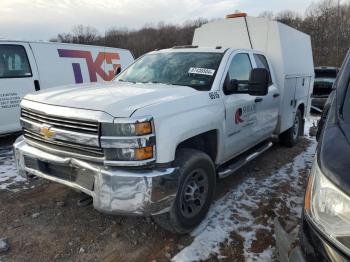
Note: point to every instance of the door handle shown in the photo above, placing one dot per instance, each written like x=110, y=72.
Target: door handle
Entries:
x=276, y=95
x=258, y=99
x=36, y=85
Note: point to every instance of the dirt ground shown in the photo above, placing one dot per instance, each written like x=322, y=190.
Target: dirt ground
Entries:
x=43, y=222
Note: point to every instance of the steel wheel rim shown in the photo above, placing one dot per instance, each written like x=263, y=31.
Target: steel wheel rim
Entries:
x=194, y=193
x=296, y=127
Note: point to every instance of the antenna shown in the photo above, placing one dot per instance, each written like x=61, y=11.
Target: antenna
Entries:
x=246, y=24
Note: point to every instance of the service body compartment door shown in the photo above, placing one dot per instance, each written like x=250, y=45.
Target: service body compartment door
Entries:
x=302, y=91
x=18, y=71
x=288, y=104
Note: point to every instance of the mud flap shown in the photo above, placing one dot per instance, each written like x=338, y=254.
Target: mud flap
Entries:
x=285, y=245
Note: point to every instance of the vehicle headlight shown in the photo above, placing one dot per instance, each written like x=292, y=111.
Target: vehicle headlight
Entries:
x=127, y=141
x=130, y=154
x=127, y=129
x=328, y=208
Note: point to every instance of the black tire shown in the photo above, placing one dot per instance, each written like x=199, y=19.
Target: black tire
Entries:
x=192, y=165
x=290, y=137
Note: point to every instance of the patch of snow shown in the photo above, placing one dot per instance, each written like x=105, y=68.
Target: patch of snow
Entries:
x=8, y=169
x=233, y=212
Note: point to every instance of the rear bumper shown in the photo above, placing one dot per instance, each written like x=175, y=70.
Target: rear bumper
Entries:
x=114, y=190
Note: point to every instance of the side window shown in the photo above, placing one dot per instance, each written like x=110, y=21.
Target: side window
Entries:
x=239, y=69
x=261, y=62
x=14, y=62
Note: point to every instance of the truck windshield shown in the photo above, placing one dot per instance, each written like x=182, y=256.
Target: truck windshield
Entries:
x=196, y=70
x=14, y=62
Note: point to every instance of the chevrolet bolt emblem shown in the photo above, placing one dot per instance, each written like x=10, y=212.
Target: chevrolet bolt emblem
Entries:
x=46, y=131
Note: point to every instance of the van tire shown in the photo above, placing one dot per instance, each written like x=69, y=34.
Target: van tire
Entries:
x=290, y=137
x=196, y=170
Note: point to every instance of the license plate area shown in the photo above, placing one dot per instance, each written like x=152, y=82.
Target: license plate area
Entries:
x=79, y=176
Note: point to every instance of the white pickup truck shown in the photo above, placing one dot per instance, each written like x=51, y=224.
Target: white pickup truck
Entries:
x=155, y=141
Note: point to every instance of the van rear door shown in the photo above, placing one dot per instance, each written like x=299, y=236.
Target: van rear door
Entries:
x=18, y=77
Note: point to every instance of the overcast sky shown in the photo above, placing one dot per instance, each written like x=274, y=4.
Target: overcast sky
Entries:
x=43, y=19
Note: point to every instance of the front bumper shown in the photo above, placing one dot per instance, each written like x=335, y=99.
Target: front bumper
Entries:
x=315, y=246
x=114, y=190
x=312, y=247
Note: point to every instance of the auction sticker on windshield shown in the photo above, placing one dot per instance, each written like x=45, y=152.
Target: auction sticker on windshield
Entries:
x=201, y=71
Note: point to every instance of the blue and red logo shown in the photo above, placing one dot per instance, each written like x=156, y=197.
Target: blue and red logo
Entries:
x=94, y=66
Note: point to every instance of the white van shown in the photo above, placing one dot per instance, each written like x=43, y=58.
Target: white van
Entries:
x=26, y=67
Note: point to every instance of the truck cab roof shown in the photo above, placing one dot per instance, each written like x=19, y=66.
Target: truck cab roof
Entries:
x=193, y=49
x=204, y=49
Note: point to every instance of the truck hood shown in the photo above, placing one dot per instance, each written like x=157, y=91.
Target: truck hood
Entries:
x=115, y=98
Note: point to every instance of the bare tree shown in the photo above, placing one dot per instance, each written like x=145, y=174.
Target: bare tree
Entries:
x=328, y=26
x=267, y=14
x=84, y=34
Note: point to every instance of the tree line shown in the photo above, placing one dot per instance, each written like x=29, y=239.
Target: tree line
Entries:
x=326, y=22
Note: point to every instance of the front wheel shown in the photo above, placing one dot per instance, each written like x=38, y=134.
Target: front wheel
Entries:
x=197, y=180
x=291, y=136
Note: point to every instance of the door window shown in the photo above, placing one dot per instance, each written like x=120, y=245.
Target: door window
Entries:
x=14, y=62
x=240, y=69
x=261, y=62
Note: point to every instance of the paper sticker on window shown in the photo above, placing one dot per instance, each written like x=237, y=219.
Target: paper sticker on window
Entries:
x=201, y=71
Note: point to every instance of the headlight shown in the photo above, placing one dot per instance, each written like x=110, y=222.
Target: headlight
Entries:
x=129, y=154
x=127, y=129
x=328, y=208
x=128, y=141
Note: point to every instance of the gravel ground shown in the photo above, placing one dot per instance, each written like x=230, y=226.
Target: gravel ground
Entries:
x=42, y=221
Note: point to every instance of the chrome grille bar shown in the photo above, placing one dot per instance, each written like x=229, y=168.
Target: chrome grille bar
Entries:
x=38, y=137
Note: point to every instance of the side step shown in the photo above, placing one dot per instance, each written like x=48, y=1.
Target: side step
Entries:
x=240, y=161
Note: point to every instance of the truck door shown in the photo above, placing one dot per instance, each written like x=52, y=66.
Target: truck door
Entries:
x=18, y=76
x=241, y=115
x=267, y=106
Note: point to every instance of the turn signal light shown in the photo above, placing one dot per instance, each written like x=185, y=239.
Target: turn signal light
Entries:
x=143, y=128
x=144, y=153
x=308, y=194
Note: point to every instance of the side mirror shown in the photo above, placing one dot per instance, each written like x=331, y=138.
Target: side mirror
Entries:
x=258, y=82
x=231, y=86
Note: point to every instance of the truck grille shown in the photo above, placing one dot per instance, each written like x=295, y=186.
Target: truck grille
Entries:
x=65, y=124
x=62, y=123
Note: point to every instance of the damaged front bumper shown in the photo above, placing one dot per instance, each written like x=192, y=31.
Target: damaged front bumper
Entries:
x=114, y=190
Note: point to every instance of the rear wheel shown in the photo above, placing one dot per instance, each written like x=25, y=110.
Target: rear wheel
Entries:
x=195, y=193
x=291, y=136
